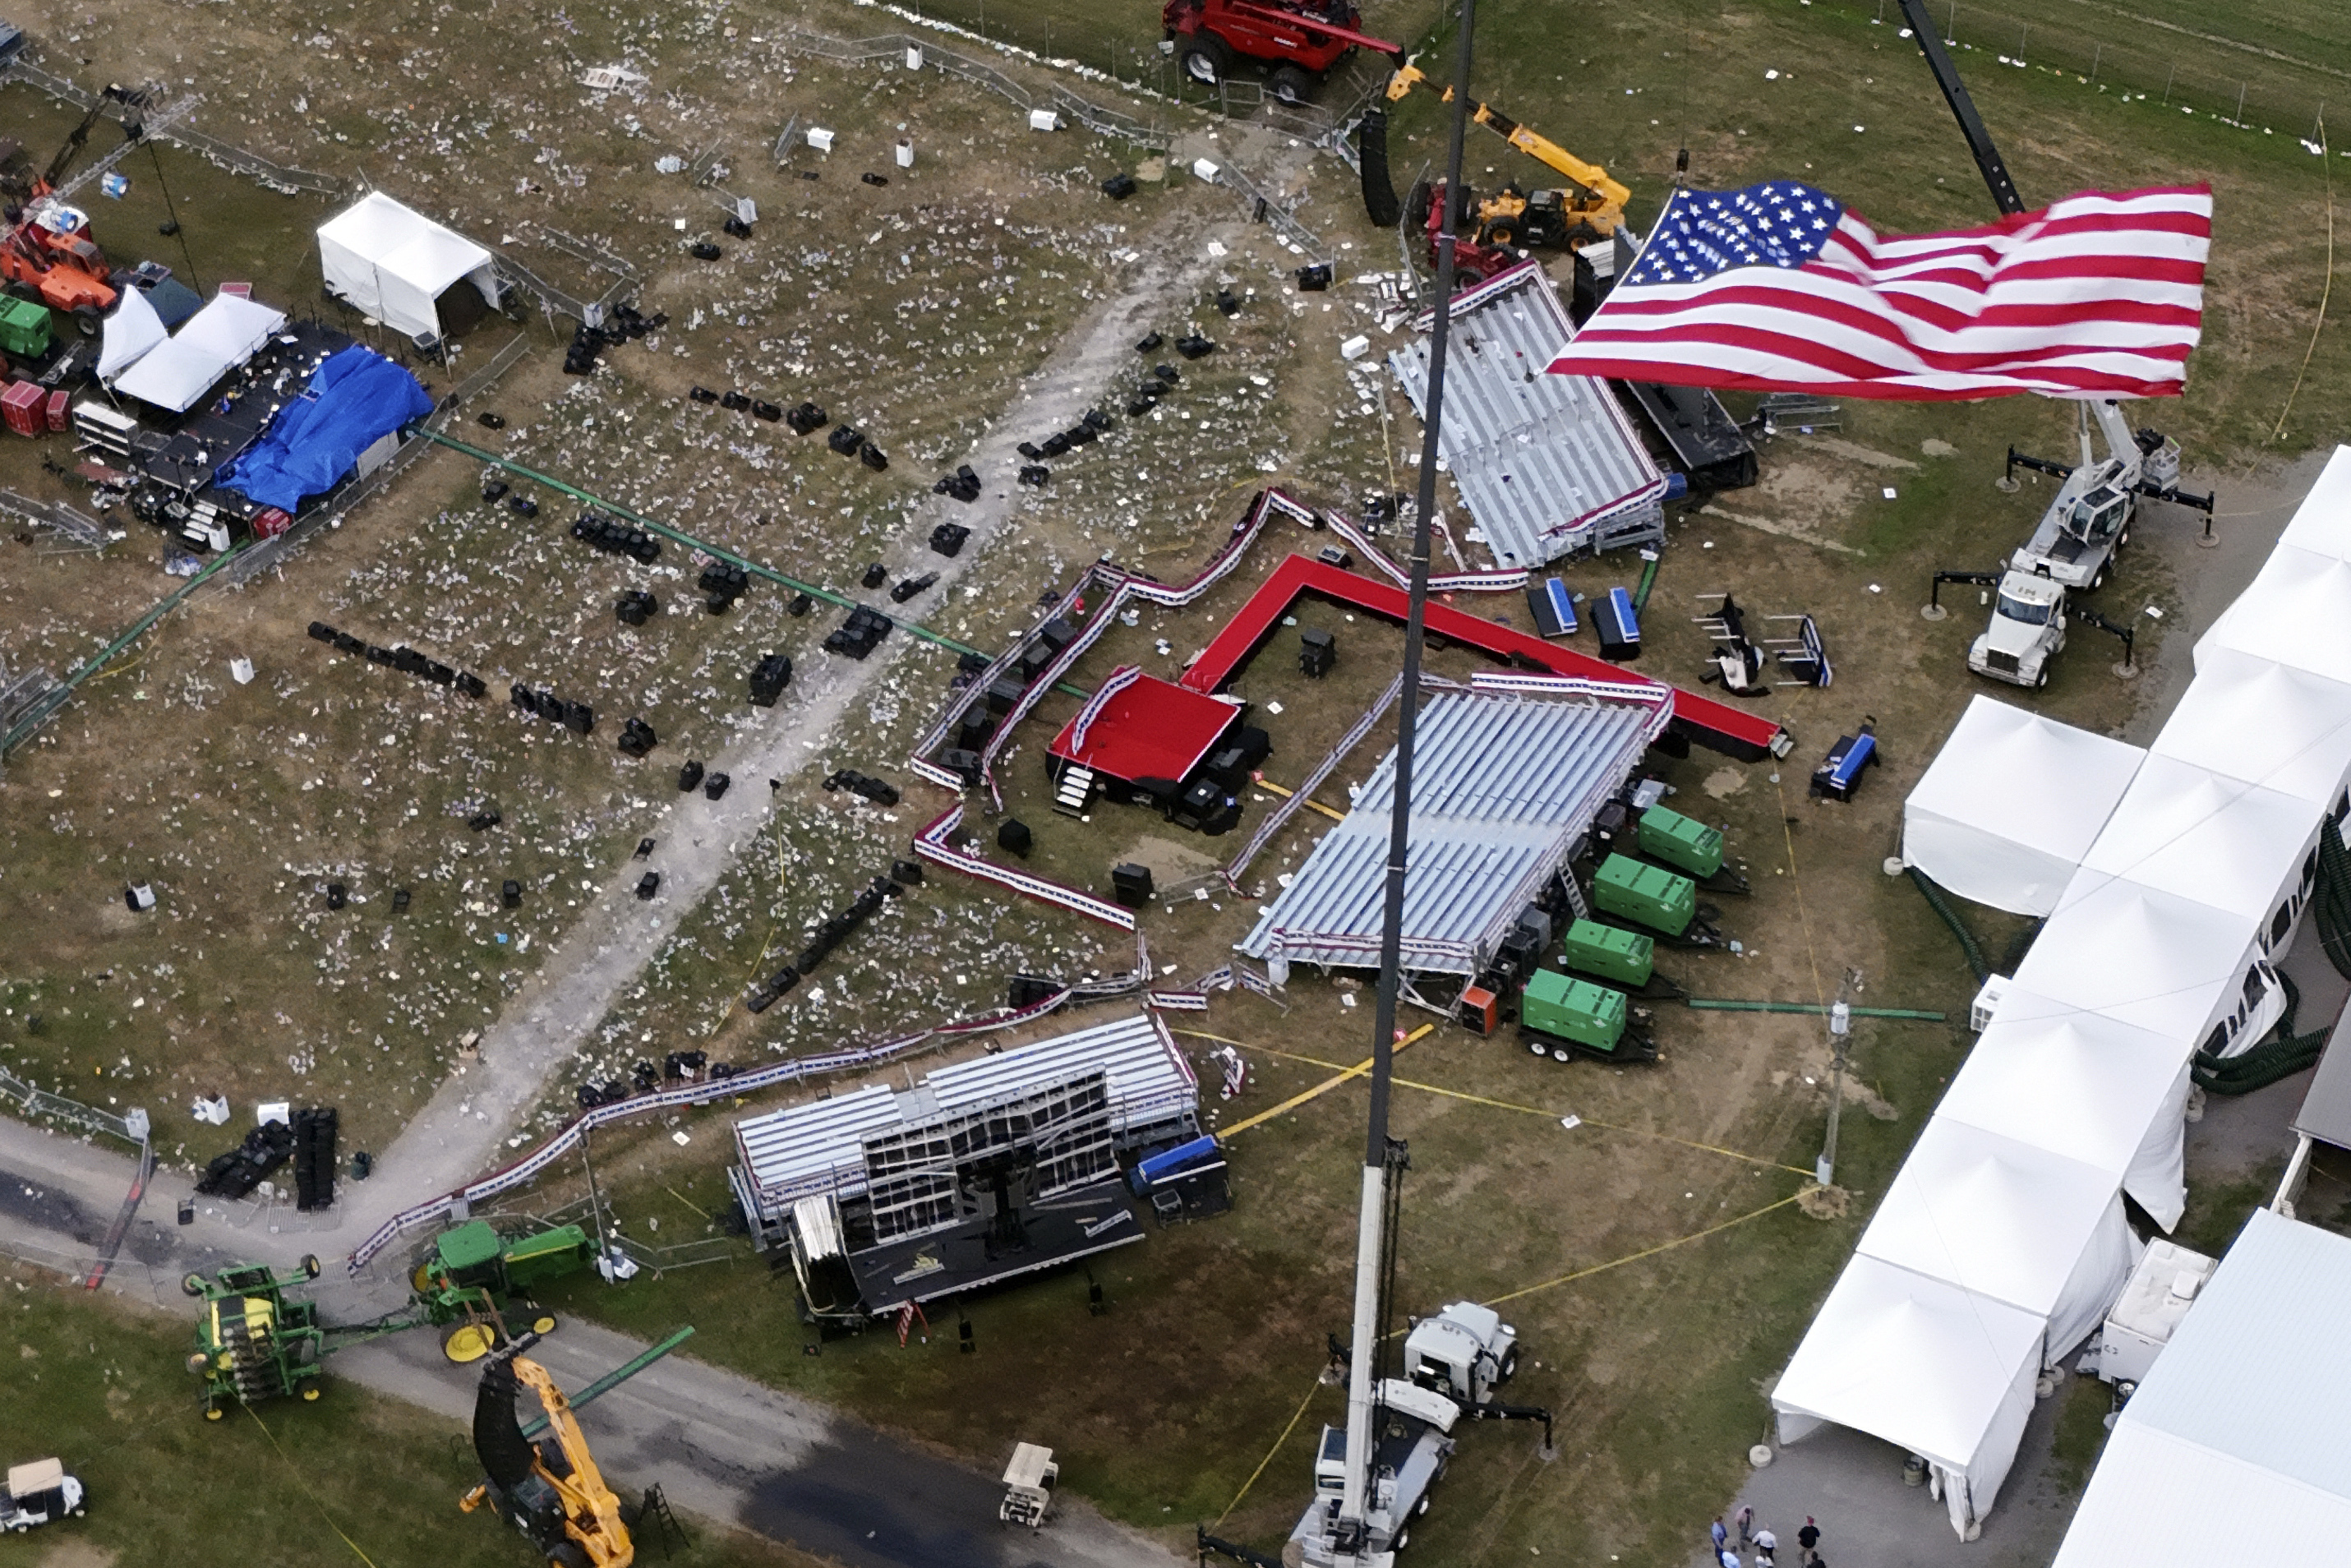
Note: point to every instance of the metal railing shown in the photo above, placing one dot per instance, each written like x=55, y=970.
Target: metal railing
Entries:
x=237, y=160
x=33, y=1102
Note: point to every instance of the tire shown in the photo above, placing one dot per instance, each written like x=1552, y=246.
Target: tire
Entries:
x=1468, y=276
x=1289, y=85
x=310, y=1265
x=1538, y=1048
x=1402, y=1538
x=1501, y=234
x=1417, y=204
x=1509, y=1365
x=569, y=1554
x=192, y=1284
x=1561, y=1053
x=1205, y=58
x=2041, y=682
x=2097, y=580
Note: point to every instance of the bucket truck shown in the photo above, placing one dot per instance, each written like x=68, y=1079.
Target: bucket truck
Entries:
x=2073, y=548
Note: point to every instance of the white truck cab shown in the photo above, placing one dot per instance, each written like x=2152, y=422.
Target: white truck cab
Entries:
x=2027, y=630
x=1412, y=1445
x=1465, y=1352
x=40, y=1493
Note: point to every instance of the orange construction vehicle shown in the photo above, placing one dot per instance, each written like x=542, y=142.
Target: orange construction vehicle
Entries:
x=47, y=254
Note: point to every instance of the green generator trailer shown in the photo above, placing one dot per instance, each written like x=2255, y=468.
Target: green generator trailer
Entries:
x=1609, y=953
x=1561, y=1017
x=1687, y=845
x=24, y=328
x=1647, y=894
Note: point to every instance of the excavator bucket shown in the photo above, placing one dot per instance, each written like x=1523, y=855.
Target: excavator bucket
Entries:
x=1372, y=151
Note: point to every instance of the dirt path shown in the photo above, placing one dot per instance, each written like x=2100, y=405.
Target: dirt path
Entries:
x=461, y=1132
x=721, y=1445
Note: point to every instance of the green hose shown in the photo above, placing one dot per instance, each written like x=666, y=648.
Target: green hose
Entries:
x=2282, y=1055
x=1966, y=940
x=1718, y=1004
x=1648, y=581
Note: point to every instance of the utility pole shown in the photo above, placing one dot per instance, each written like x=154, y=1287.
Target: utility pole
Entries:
x=1840, y=1039
x=596, y=1203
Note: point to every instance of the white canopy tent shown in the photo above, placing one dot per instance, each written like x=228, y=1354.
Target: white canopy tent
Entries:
x=2296, y=610
x=2321, y=524
x=208, y=345
x=2091, y=1088
x=2164, y=963
x=2269, y=723
x=1928, y=1366
x=2237, y=1447
x=2004, y=1219
x=129, y=332
x=2011, y=804
x=2185, y=830
x=394, y=264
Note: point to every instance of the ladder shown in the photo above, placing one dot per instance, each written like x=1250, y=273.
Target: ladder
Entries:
x=1074, y=789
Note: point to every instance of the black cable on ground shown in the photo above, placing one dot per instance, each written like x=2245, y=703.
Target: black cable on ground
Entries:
x=2020, y=948
x=1967, y=939
x=2331, y=900
x=2282, y=1055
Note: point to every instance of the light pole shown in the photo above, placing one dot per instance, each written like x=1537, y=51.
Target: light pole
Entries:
x=1840, y=1039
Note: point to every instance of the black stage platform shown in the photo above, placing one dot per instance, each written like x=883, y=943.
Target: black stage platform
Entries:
x=947, y=1263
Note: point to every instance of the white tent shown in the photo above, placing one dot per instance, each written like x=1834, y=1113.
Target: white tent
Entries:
x=393, y=264
x=2266, y=723
x=2185, y=830
x=2164, y=963
x=2321, y=524
x=1930, y=1367
x=2296, y=610
x=208, y=345
x=2087, y=1087
x=2237, y=1447
x=2004, y=1219
x=2010, y=805
x=130, y=332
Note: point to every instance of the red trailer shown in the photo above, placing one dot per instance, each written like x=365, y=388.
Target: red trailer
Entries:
x=1301, y=40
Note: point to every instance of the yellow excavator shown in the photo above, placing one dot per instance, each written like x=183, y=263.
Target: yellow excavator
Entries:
x=1494, y=231
x=550, y=1489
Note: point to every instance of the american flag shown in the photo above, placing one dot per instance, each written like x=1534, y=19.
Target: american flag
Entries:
x=1780, y=286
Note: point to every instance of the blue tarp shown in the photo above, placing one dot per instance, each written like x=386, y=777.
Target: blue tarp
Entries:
x=354, y=400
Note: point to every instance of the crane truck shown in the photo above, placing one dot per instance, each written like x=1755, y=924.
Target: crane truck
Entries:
x=2073, y=548
x=2090, y=519
x=47, y=254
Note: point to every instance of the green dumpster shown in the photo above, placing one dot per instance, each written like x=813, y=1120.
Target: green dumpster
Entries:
x=1610, y=952
x=1650, y=894
x=1680, y=841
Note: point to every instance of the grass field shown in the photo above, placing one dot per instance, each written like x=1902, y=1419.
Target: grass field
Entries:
x=350, y=1479
x=243, y=801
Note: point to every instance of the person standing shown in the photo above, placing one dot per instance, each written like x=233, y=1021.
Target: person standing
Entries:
x=1767, y=1549
x=1721, y=1536
x=1808, y=1540
x=1744, y=1520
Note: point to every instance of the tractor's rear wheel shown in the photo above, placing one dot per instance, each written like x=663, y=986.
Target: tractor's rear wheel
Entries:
x=1290, y=85
x=1207, y=58
x=1417, y=205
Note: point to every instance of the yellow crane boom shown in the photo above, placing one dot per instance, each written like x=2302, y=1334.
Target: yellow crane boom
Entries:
x=1611, y=196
